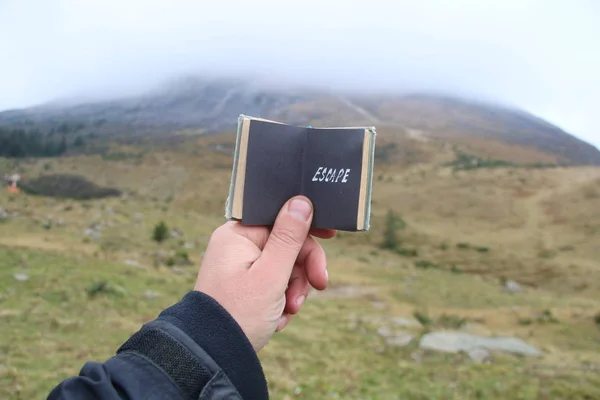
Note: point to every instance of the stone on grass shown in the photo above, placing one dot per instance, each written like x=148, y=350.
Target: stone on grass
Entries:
x=455, y=342
x=150, y=294
x=512, y=287
x=395, y=338
x=21, y=277
x=405, y=322
x=480, y=356
x=400, y=339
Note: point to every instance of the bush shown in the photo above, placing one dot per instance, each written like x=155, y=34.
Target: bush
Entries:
x=482, y=249
x=525, y=321
x=103, y=287
x=463, y=246
x=597, y=319
x=390, y=239
x=423, y=318
x=455, y=270
x=67, y=187
x=426, y=265
x=466, y=161
x=161, y=232
x=407, y=252
x=547, y=317
x=450, y=321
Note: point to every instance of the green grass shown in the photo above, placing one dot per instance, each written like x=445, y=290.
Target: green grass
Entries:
x=80, y=288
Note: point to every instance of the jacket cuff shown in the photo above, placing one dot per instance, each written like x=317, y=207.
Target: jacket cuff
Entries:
x=208, y=324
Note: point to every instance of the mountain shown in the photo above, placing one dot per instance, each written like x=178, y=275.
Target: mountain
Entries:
x=212, y=106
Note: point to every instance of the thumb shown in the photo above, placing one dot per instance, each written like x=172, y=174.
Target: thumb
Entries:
x=285, y=241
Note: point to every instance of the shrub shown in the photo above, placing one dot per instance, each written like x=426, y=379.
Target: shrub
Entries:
x=525, y=321
x=423, y=318
x=103, y=287
x=482, y=249
x=390, y=239
x=426, y=265
x=407, y=252
x=68, y=187
x=161, y=232
x=547, y=317
x=450, y=321
x=597, y=319
x=455, y=270
x=463, y=246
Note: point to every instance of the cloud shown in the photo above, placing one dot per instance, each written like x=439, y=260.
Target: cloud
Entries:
x=539, y=55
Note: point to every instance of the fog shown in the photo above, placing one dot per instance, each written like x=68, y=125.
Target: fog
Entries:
x=542, y=56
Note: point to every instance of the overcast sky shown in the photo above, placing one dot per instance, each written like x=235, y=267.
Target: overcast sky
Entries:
x=541, y=55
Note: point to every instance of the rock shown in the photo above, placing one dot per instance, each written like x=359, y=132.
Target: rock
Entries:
x=400, y=339
x=138, y=217
x=188, y=245
x=3, y=213
x=455, y=342
x=405, y=322
x=512, y=287
x=176, y=233
x=395, y=338
x=177, y=271
x=150, y=294
x=384, y=331
x=480, y=356
x=118, y=289
x=21, y=277
x=378, y=305
x=161, y=256
x=131, y=263
x=9, y=313
x=94, y=234
x=417, y=357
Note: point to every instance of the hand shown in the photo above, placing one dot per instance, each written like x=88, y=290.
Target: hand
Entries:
x=262, y=276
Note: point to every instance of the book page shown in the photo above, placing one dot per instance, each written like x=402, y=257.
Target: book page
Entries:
x=273, y=169
x=332, y=176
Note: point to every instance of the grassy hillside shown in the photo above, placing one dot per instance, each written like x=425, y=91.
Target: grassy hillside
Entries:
x=73, y=270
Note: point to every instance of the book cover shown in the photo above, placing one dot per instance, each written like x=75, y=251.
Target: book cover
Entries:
x=273, y=162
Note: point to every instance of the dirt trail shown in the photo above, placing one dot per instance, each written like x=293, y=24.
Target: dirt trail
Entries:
x=535, y=221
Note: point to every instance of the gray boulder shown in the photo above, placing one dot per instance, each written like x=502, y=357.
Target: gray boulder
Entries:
x=455, y=342
x=21, y=277
x=406, y=322
x=512, y=287
x=480, y=356
x=395, y=338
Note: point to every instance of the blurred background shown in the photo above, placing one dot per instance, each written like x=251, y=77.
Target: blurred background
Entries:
x=480, y=277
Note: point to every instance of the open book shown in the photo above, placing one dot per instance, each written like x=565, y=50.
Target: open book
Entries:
x=273, y=162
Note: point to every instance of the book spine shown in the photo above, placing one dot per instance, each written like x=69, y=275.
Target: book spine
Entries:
x=236, y=156
x=370, y=178
x=303, y=166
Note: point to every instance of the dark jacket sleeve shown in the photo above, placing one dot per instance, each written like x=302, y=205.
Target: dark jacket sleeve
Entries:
x=193, y=350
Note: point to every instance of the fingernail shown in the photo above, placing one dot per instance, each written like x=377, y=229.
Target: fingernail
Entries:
x=326, y=274
x=300, y=209
x=282, y=323
x=300, y=300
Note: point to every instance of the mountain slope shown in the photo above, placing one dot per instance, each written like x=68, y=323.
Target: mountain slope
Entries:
x=212, y=106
